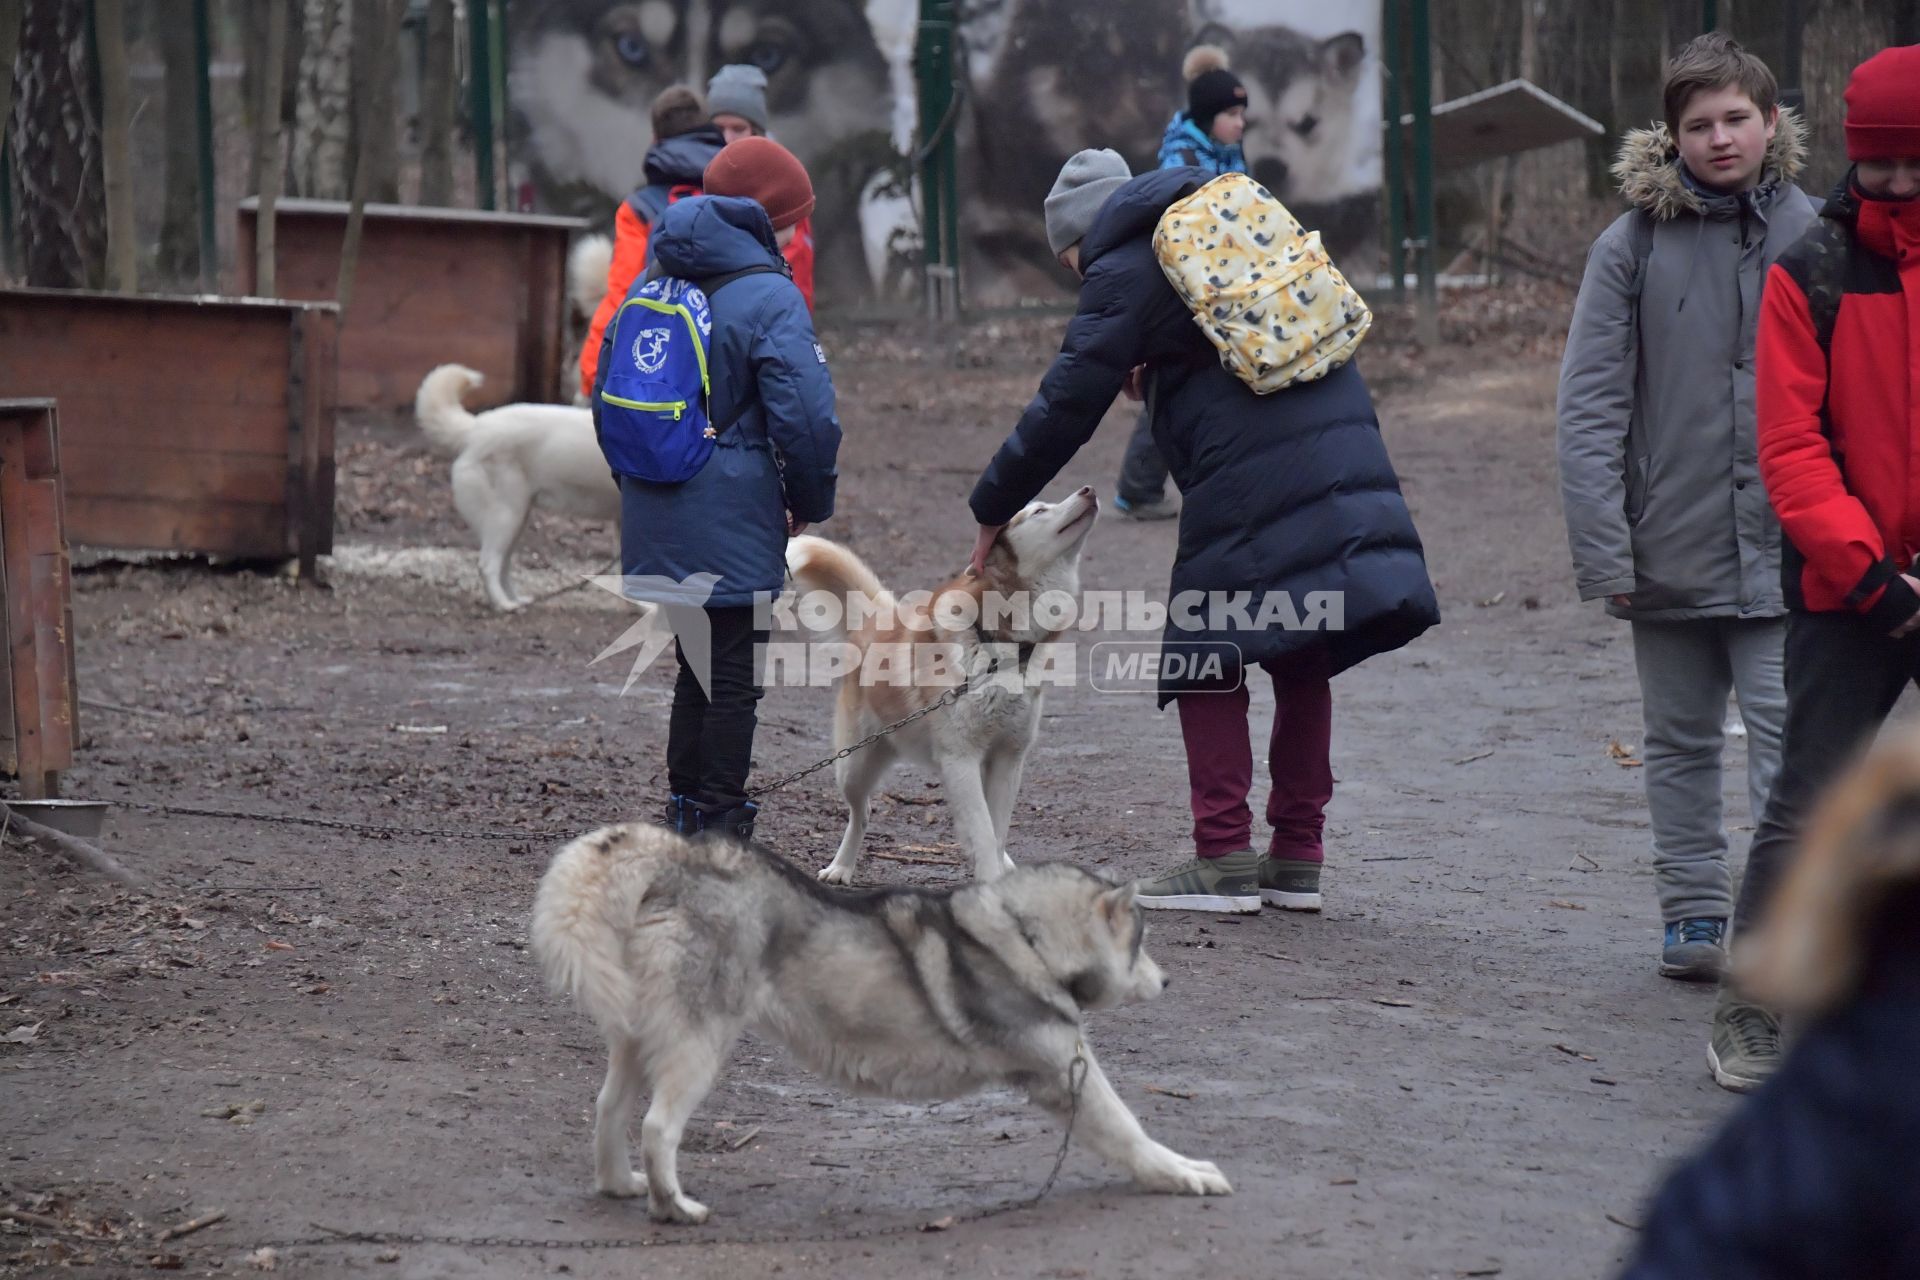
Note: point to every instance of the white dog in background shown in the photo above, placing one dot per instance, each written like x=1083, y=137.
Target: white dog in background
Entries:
x=508, y=460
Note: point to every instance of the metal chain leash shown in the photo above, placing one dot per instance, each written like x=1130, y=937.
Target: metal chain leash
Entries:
x=386, y=831
x=339, y=824
x=1076, y=1081
x=946, y=699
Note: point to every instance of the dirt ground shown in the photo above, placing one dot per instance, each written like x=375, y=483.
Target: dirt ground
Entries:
x=1466, y=1067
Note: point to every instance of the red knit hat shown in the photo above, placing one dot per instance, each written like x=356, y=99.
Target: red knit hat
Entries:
x=1883, y=106
x=762, y=170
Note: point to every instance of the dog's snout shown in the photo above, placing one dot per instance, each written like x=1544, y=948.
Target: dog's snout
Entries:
x=1086, y=491
x=1165, y=982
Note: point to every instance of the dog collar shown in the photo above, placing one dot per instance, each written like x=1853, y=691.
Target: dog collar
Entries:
x=1025, y=647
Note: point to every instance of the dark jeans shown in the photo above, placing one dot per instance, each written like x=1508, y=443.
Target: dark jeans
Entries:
x=710, y=735
x=1143, y=476
x=1843, y=677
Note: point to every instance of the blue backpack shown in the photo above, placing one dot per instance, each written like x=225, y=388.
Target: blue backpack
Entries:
x=651, y=418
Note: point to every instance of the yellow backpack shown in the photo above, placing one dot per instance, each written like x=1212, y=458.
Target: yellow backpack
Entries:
x=1260, y=286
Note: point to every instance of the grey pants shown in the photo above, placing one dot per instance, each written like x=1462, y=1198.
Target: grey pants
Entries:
x=1686, y=670
x=1143, y=476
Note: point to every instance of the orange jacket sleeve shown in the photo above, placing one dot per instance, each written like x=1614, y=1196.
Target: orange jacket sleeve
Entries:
x=799, y=256
x=629, y=259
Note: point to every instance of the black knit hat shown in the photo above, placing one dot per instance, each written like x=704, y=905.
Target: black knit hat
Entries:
x=1211, y=88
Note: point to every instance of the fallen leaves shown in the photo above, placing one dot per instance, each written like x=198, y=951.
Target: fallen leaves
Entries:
x=1623, y=756
x=1575, y=1053
x=1393, y=1002
x=1182, y=1094
x=1564, y=905
x=25, y=1033
x=237, y=1112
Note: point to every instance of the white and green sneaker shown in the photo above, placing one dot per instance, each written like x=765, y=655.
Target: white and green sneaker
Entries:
x=1228, y=883
x=1290, y=884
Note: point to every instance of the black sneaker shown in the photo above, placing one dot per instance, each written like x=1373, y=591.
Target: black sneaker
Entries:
x=729, y=824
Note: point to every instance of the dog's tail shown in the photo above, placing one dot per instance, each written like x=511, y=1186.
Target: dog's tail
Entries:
x=828, y=567
x=587, y=267
x=437, y=406
x=584, y=915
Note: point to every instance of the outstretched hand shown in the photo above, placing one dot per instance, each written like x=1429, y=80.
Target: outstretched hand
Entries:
x=983, y=543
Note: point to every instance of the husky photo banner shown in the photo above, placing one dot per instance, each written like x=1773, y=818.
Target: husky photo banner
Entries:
x=1041, y=79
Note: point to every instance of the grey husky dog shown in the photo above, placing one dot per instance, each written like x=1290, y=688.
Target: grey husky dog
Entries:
x=674, y=947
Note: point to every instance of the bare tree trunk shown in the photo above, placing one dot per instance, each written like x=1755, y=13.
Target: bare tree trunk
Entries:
x=323, y=111
x=10, y=15
x=116, y=148
x=267, y=161
x=253, y=16
x=1503, y=177
x=436, y=106
x=381, y=32
x=180, y=219
x=55, y=137
x=374, y=68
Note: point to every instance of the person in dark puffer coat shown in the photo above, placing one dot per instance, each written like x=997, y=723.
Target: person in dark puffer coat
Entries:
x=1818, y=1175
x=1286, y=494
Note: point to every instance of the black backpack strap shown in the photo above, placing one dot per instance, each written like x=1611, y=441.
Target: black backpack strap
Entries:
x=1640, y=239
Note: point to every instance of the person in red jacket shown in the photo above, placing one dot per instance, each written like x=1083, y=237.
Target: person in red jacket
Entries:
x=737, y=97
x=685, y=143
x=1838, y=396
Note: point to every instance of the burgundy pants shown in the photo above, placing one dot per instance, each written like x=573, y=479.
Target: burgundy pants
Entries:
x=1220, y=764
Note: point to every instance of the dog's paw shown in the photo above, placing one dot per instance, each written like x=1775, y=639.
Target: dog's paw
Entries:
x=1176, y=1175
x=634, y=1184
x=679, y=1208
x=835, y=873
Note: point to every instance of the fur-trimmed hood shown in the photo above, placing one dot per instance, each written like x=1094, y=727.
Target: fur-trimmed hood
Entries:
x=1648, y=167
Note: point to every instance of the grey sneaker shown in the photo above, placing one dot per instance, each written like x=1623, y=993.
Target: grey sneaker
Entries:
x=1695, y=950
x=1289, y=884
x=1152, y=509
x=1744, y=1047
x=1228, y=883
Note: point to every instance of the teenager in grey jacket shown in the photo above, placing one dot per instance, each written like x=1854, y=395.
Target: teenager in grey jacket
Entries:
x=1666, y=515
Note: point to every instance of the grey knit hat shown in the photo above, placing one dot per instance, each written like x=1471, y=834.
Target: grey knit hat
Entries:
x=739, y=89
x=1084, y=184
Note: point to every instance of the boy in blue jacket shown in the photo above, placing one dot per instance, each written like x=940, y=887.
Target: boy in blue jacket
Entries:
x=771, y=474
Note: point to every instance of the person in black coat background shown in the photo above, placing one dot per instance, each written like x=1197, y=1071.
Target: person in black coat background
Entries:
x=1818, y=1173
x=1286, y=496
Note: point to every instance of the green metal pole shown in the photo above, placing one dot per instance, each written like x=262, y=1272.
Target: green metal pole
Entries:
x=1394, y=141
x=1420, y=86
x=481, y=104
x=933, y=65
x=203, y=125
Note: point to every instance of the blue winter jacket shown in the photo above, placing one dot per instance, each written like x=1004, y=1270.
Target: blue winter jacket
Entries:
x=769, y=380
x=1817, y=1175
x=1185, y=145
x=1282, y=494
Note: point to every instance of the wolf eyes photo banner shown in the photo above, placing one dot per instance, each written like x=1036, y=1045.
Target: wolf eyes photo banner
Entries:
x=1040, y=79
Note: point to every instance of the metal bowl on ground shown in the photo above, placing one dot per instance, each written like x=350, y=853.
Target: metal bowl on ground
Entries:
x=82, y=818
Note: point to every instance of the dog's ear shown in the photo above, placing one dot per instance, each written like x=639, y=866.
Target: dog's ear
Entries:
x=1115, y=906
x=1342, y=55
